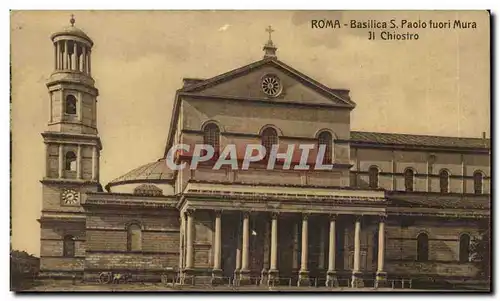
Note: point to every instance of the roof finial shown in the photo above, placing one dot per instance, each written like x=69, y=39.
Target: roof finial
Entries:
x=270, y=30
x=72, y=20
x=269, y=48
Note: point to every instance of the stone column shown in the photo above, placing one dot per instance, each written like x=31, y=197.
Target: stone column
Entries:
x=94, y=163
x=83, y=66
x=94, y=113
x=357, y=281
x=63, y=105
x=273, y=270
x=73, y=57
x=90, y=62
x=217, y=271
x=238, y=254
x=79, y=162
x=66, y=55
x=381, y=276
x=51, y=99
x=47, y=160
x=188, y=275
x=245, y=271
x=80, y=106
x=331, y=274
x=181, y=244
x=55, y=55
x=60, y=54
x=265, y=262
x=61, y=162
x=304, y=272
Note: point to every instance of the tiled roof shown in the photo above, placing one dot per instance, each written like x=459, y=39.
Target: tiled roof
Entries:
x=418, y=140
x=157, y=170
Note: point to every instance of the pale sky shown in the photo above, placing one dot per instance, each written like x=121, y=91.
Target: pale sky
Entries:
x=437, y=85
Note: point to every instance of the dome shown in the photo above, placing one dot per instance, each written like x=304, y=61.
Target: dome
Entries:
x=154, y=172
x=72, y=31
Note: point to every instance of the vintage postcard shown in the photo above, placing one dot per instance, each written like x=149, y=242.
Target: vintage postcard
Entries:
x=250, y=151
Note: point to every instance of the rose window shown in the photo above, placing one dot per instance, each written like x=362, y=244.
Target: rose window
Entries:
x=271, y=85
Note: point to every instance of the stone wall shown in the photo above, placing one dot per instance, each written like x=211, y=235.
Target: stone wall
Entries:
x=392, y=164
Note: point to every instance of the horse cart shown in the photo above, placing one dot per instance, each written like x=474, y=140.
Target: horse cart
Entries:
x=114, y=278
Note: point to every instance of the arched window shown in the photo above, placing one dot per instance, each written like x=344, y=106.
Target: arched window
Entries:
x=444, y=179
x=70, y=161
x=464, y=251
x=70, y=104
x=269, y=138
x=134, y=237
x=373, y=177
x=478, y=182
x=325, y=138
x=211, y=136
x=409, y=175
x=422, y=247
x=69, y=246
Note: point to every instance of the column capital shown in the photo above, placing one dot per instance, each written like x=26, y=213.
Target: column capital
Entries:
x=305, y=216
x=382, y=218
x=246, y=213
x=358, y=218
x=333, y=217
x=218, y=212
x=190, y=211
x=275, y=214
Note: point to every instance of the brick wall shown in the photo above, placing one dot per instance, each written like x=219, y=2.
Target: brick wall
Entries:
x=130, y=261
x=61, y=264
x=107, y=240
x=401, y=247
x=432, y=269
x=51, y=246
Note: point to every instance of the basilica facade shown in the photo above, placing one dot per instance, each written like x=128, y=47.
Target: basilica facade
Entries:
x=392, y=206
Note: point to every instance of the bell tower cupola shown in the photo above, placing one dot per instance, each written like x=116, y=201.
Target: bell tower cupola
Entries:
x=71, y=86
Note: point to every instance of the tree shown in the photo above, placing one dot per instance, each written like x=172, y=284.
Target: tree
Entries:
x=481, y=250
x=23, y=269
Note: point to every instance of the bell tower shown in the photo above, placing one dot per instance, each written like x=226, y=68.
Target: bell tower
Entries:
x=72, y=153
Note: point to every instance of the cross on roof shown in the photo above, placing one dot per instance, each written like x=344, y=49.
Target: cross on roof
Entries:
x=72, y=20
x=270, y=30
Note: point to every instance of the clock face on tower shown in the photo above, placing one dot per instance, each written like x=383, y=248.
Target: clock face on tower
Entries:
x=70, y=197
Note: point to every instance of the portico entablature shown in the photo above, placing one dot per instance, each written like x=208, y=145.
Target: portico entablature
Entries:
x=281, y=199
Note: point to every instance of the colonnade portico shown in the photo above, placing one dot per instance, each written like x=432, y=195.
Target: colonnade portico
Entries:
x=270, y=265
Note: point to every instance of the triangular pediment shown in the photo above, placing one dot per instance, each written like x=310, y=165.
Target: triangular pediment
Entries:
x=245, y=83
